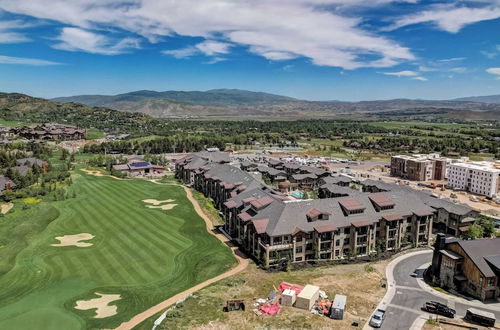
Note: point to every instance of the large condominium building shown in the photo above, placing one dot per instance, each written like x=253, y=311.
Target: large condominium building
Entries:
x=481, y=178
x=419, y=167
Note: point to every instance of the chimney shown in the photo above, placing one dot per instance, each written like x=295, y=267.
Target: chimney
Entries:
x=436, y=255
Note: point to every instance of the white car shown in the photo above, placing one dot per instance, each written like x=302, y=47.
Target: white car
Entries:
x=377, y=318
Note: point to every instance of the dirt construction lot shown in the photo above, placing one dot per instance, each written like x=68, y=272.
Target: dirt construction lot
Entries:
x=361, y=283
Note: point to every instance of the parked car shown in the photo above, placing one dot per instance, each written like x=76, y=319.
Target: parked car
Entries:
x=480, y=317
x=377, y=318
x=439, y=308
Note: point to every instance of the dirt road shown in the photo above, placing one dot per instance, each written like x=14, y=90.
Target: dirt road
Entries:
x=242, y=264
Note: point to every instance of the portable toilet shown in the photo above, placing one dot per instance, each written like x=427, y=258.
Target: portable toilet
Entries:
x=338, y=307
x=307, y=297
x=288, y=297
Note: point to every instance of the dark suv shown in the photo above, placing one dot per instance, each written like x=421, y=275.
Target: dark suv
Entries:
x=439, y=308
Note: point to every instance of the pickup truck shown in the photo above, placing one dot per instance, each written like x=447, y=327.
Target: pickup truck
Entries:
x=377, y=318
x=439, y=308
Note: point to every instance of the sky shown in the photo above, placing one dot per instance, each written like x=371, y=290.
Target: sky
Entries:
x=347, y=50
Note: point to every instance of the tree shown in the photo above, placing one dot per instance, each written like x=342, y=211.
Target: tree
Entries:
x=475, y=231
x=64, y=154
x=487, y=224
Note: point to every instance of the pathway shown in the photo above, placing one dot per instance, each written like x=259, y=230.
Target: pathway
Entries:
x=242, y=264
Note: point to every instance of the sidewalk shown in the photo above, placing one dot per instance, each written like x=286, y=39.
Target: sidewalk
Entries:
x=391, y=288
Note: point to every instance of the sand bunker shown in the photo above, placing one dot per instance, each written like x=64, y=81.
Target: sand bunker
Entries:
x=163, y=207
x=99, y=173
x=101, y=305
x=157, y=202
x=94, y=173
x=6, y=207
x=74, y=240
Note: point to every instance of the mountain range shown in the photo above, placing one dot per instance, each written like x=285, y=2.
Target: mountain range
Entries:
x=242, y=103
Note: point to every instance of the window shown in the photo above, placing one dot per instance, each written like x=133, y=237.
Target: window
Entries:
x=346, y=241
x=298, y=259
x=298, y=249
x=337, y=242
x=347, y=231
x=337, y=253
x=491, y=281
x=309, y=246
x=325, y=246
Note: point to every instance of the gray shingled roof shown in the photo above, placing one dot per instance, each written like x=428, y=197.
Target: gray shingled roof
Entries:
x=336, y=179
x=22, y=169
x=214, y=156
x=336, y=189
x=479, y=249
x=4, y=181
x=285, y=217
x=29, y=161
x=426, y=197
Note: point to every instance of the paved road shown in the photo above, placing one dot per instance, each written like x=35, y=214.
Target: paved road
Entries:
x=404, y=308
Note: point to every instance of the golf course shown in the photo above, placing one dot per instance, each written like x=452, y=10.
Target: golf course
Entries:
x=111, y=250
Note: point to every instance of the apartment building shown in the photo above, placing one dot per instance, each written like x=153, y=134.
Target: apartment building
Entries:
x=480, y=178
x=275, y=230
x=419, y=167
x=449, y=217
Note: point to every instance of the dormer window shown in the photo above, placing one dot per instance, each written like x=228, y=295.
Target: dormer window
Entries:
x=351, y=206
x=381, y=201
x=315, y=214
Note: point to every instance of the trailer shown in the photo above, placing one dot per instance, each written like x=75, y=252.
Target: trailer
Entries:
x=338, y=307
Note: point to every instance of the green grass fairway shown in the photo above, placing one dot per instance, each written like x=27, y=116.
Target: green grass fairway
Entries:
x=145, y=255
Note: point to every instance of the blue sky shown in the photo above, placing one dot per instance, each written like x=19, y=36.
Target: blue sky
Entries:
x=309, y=49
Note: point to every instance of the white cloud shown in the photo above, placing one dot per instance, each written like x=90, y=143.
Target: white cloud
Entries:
x=450, y=17
x=26, y=61
x=274, y=29
x=452, y=59
x=76, y=39
x=420, y=78
x=494, y=71
x=493, y=53
x=405, y=73
x=7, y=35
x=182, y=52
x=458, y=70
x=208, y=47
x=211, y=47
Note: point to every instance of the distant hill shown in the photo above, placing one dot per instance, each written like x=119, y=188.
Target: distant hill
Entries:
x=242, y=103
x=485, y=99
x=24, y=108
x=214, y=97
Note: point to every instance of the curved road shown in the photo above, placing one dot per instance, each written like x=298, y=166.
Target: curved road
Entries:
x=242, y=264
x=403, y=311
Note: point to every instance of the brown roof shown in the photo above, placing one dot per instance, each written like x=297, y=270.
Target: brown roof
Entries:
x=260, y=225
x=230, y=204
x=313, y=213
x=422, y=213
x=244, y=216
x=392, y=217
x=325, y=228
x=350, y=204
x=362, y=223
x=381, y=199
x=248, y=199
x=261, y=202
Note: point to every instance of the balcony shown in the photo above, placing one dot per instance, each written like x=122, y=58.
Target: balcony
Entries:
x=280, y=246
